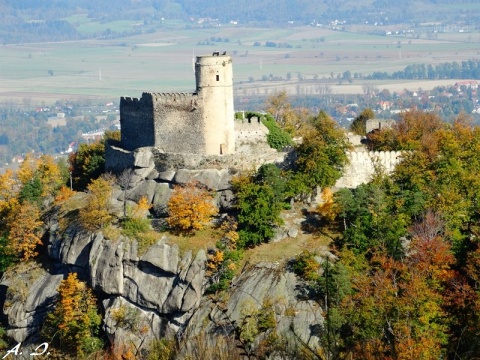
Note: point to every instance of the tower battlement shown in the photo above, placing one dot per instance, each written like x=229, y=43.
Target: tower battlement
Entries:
x=201, y=122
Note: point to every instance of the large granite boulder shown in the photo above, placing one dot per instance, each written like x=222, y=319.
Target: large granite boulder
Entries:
x=30, y=295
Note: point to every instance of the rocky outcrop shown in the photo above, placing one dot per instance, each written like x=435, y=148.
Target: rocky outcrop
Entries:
x=30, y=295
x=155, y=173
x=164, y=286
x=263, y=287
x=157, y=294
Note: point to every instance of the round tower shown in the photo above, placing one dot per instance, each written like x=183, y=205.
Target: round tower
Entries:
x=214, y=77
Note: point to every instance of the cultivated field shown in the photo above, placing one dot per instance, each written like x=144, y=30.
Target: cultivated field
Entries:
x=162, y=61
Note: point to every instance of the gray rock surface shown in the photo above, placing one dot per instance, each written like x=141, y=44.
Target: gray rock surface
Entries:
x=296, y=317
x=160, y=199
x=126, y=323
x=144, y=188
x=30, y=296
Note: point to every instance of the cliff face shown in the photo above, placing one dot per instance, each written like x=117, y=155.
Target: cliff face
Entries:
x=160, y=293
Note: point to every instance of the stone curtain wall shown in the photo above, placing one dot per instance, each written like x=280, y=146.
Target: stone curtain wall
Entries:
x=251, y=137
x=179, y=123
x=136, y=121
x=362, y=166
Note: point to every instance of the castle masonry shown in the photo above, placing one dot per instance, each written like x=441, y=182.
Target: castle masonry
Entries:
x=194, y=123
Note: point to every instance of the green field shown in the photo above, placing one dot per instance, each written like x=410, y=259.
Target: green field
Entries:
x=162, y=61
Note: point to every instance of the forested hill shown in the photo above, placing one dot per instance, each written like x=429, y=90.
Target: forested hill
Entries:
x=50, y=20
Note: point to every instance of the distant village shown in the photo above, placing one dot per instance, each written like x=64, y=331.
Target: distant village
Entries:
x=462, y=96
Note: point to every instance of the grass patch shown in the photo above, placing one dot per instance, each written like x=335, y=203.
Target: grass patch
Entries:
x=203, y=239
x=286, y=249
x=145, y=240
x=112, y=233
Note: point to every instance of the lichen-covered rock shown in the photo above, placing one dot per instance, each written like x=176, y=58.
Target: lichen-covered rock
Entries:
x=160, y=199
x=143, y=158
x=130, y=327
x=143, y=189
x=166, y=175
x=30, y=296
x=106, y=265
x=271, y=285
x=162, y=256
x=213, y=179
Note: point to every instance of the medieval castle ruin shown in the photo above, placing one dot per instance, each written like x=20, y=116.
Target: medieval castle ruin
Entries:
x=199, y=123
x=195, y=135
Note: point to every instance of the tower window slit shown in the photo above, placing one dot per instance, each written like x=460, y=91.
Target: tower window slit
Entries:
x=218, y=77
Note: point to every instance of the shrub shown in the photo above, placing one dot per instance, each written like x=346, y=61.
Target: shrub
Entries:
x=305, y=266
x=276, y=138
x=133, y=226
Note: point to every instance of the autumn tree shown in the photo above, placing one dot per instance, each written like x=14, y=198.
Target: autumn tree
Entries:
x=74, y=323
x=278, y=105
x=9, y=187
x=415, y=130
x=24, y=230
x=190, y=207
x=291, y=120
x=50, y=174
x=39, y=178
x=97, y=213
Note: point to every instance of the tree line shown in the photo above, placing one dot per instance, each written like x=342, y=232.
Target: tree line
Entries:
x=469, y=69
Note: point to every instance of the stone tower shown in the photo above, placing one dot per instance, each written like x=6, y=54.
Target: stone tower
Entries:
x=214, y=77
x=197, y=123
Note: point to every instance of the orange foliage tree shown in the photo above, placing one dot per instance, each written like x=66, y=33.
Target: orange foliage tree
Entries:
x=190, y=207
x=74, y=323
x=396, y=309
x=24, y=225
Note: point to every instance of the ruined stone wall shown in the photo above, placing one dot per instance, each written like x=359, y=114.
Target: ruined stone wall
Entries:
x=250, y=137
x=194, y=123
x=179, y=125
x=136, y=121
x=362, y=166
x=373, y=124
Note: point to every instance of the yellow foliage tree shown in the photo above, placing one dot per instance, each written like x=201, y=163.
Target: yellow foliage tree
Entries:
x=8, y=194
x=64, y=193
x=27, y=169
x=24, y=224
x=190, y=208
x=50, y=175
x=97, y=213
x=327, y=208
x=141, y=208
x=75, y=319
x=215, y=259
